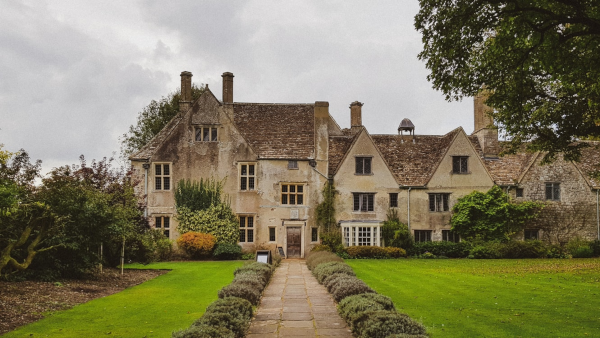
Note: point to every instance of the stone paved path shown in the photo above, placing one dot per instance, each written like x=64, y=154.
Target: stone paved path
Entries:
x=294, y=304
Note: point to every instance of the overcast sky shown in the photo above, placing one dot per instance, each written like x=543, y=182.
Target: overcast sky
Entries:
x=75, y=74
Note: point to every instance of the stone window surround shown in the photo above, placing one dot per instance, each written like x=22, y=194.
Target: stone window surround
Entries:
x=273, y=231
x=312, y=232
x=441, y=202
x=248, y=227
x=288, y=194
x=363, y=199
x=363, y=160
x=213, y=133
x=422, y=235
x=250, y=182
x=460, y=165
x=353, y=233
x=162, y=222
x=162, y=176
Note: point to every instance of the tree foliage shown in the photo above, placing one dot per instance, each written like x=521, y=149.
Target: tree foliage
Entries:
x=539, y=61
x=491, y=215
x=395, y=233
x=152, y=120
x=325, y=211
x=198, y=195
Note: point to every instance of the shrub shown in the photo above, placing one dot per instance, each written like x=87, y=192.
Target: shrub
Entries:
x=196, y=244
x=332, y=281
x=151, y=246
x=204, y=331
x=395, y=252
x=583, y=252
x=276, y=259
x=326, y=269
x=406, y=335
x=351, y=307
x=374, y=252
x=333, y=239
x=321, y=247
x=489, y=250
x=349, y=287
x=227, y=251
x=396, y=233
x=235, y=323
x=218, y=220
x=239, y=306
x=314, y=259
x=523, y=249
x=595, y=246
x=448, y=249
x=251, y=276
x=261, y=269
x=382, y=323
x=241, y=290
x=579, y=248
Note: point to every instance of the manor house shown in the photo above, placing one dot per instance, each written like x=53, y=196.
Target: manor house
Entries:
x=276, y=159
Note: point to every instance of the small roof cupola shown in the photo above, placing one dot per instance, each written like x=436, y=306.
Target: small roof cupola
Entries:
x=407, y=125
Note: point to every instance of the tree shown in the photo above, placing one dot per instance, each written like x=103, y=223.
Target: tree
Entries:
x=491, y=215
x=395, y=233
x=152, y=120
x=539, y=62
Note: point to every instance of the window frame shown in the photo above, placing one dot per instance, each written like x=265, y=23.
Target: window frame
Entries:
x=351, y=233
x=160, y=224
x=554, y=191
x=274, y=238
x=393, y=200
x=246, y=230
x=419, y=234
x=210, y=131
x=292, y=164
x=450, y=236
x=363, y=160
x=160, y=175
x=439, y=199
x=247, y=181
x=460, y=165
x=519, y=192
x=359, y=199
x=313, y=231
x=296, y=194
x=529, y=232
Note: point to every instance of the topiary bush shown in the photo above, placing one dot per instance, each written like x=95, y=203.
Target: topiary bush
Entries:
x=204, y=331
x=227, y=251
x=241, y=290
x=262, y=269
x=351, y=307
x=382, y=323
x=251, y=275
x=332, y=281
x=323, y=270
x=235, y=323
x=316, y=258
x=239, y=306
x=196, y=244
x=348, y=287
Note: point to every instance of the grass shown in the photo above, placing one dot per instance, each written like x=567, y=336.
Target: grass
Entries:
x=492, y=298
x=153, y=309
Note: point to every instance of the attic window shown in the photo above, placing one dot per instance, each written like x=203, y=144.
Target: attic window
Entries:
x=363, y=165
x=206, y=134
x=460, y=164
x=292, y=164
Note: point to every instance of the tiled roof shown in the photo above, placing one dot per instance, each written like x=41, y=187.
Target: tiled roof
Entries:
x=148, y=150
x=283, y=131
x=338, y=147
x=413, y=164
x=589, y=163
x=507, y=169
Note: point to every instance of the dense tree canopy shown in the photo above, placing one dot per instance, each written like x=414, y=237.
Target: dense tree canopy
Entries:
x=538, y=60
x=152, y=119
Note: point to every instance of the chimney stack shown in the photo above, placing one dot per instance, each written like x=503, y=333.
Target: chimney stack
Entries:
x=185, y=100
x=356, y=115
x=227, y=87
x=485, y=131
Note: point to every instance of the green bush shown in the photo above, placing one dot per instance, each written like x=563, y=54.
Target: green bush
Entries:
x=333, y=239
x=276, y=259
x=396, y=233
x=489, y=250
x=236, y=324
x=316, y=258
x=374, y=252
x=595, y=246
x=351, y=307
x=241, y=290
x=332, y=281
x=326, y=269
x=382, y=323
x=239, y=306
x=395, y=252
x=204, y=331
x=218, y=220
x=227, y=251
x=448, y=249
x=252, y=275
x=262, y=269
x=579, y=248
x=348, y=287
x=150, y=246
x=321, y=247
x=583, y=252
x=524, y=249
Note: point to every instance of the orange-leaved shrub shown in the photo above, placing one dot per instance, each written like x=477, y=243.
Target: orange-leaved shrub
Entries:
x=197, y=244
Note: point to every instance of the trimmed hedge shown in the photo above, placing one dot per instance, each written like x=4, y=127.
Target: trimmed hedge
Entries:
x=382, y=323
x=227, y=251
x=447, y=249
x=346, y=287
x=315, y=258
x=332, y=281
x=378, y=252
x=351, y=307
x=204, y=331
x=262, y=269
x=324, y=270
x=241, y=290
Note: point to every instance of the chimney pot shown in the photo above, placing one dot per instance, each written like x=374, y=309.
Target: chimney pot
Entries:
x=227, y=87
x=185, y=99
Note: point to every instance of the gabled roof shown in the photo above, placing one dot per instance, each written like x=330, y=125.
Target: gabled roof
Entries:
x=277, y=131
x=413, y=164
x=507, y=169
x=338, y=147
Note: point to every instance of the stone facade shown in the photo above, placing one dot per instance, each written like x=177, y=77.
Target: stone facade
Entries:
x=283, y=147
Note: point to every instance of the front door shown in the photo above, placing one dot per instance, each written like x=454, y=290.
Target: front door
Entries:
x=293, y=242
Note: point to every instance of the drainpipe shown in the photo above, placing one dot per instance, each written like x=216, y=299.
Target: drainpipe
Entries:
x=146, y=166
x=408, y=205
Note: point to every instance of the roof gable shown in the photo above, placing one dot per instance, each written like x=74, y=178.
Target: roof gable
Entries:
x=277, y=131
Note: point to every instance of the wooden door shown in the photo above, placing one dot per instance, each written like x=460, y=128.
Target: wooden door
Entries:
x=293, y=242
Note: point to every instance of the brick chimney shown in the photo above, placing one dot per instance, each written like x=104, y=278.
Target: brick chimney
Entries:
x=485, y=131
x=227, y=87
x=185, y=100
x=356, y=115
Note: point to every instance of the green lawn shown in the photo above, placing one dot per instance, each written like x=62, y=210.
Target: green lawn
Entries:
x=492, y=298
x=152, y=309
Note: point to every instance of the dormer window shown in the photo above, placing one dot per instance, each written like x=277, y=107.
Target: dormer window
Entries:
x=206, y=134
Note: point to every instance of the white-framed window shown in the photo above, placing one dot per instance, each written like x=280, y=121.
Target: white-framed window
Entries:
x=460, y=164
x=292, y=164
x=361, y=234
x=162, y=176
x=422, y=235
x=163, y=223
x=246, y=228
x=363, y=202
x=553, y=191
x=247, y=176
x=272, y=234
x=439, y=202
x=292, y=194
x=314, y=234
x=206, y=134
x=363, y=165
x=450, y=236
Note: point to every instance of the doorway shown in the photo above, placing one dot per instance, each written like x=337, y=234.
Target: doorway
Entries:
x=294, y=242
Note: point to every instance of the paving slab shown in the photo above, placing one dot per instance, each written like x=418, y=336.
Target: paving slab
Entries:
x=294, y=304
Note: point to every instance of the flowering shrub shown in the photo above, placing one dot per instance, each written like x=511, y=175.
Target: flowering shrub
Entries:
x=196, y=244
